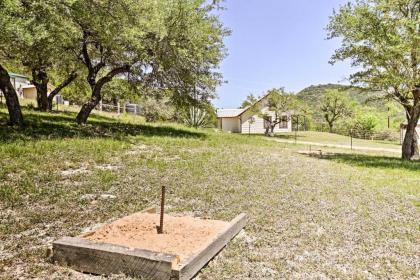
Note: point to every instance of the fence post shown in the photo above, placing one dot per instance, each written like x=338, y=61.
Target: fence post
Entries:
x=118, y=107
x=351, y=139
x=100, y=105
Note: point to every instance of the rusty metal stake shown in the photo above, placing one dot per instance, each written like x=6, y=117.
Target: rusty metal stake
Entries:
x=162, y=211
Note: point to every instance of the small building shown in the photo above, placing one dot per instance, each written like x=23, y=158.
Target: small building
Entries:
x=247, y=121
x=403, y=130
x=19, y=82
x=25, y=90
x=29, y=91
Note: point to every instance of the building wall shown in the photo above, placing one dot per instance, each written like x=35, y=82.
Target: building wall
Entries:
x=230, y=124
x=18, y=83
x=29, y=93
x=258, y=126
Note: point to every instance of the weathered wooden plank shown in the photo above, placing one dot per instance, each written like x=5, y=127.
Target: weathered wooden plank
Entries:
x=100, y=258
x=190, y=267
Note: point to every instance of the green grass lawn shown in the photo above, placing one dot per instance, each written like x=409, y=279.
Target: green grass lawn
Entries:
x=331, y=138
x=346, y=215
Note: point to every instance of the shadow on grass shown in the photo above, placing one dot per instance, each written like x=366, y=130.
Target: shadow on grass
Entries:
x=290, y=136
x=63, y=125
x=362, y=160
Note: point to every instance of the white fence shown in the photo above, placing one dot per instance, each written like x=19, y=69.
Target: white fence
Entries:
x=129, y=108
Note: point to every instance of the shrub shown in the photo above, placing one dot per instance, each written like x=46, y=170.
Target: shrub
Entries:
x=196, y=117
x=364, y=126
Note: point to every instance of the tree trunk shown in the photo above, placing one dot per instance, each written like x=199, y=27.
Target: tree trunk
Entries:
x=57, y=90
x=330, y=127
x=267, y=130
x=410, y=147
x=89, y=106
x=96, y=88
x=40, y=80
x=12, y=101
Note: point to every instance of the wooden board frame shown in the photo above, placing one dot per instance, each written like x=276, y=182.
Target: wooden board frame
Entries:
x=103, y=258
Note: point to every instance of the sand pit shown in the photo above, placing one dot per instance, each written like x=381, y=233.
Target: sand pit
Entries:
x=182, y=236
x=132, y=246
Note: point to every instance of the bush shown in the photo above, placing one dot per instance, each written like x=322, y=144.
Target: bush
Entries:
x=155, y=110
x=388, y=134
x=364, y=126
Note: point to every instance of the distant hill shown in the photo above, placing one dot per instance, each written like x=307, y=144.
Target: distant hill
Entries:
x=313, y=94
x=367, y=100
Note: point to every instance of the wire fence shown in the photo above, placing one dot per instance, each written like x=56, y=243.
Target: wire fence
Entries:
x=63, y=105
x=389, y=139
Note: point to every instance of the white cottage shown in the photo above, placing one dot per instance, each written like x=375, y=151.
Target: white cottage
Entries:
x=247, y=121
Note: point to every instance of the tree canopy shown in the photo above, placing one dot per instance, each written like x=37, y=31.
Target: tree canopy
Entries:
x=281, y=106
x=170, y=47
x=335, y=105
x=382, y=39
x=249, y=101
x=35, y=38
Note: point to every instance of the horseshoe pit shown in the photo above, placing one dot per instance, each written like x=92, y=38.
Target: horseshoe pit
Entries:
x=139, y=245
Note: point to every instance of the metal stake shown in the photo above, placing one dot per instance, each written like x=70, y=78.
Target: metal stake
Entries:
x=162, y=211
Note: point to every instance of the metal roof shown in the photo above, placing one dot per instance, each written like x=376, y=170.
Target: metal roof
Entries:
x=17, y=75
x=229, y=113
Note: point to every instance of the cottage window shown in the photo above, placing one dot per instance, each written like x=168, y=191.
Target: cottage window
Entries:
x=283, y=122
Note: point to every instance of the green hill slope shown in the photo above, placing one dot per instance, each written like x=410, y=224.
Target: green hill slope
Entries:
x=367, y=103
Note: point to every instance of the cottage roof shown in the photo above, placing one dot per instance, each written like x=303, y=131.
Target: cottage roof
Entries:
x=229, y=113
x=15, y=75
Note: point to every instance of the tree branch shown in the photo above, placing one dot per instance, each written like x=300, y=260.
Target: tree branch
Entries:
x=111, y=74
x=66, y=82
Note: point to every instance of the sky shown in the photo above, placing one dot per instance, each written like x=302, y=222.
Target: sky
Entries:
x=277, y=43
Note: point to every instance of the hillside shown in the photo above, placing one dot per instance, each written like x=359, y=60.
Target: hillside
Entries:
x=366, y=101
x=314, y=93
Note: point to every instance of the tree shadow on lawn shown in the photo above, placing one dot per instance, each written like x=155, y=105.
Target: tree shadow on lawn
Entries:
x=62, y=125
x=362, y=160
x=290, y=136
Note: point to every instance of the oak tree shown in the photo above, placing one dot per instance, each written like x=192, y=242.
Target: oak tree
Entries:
x=382, y=39
x=334, y=106
x=40, y=33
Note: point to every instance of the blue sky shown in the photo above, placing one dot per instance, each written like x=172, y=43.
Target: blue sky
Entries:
x=277, y=43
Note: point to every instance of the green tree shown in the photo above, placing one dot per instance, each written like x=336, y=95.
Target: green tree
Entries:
x=36, y=36
x=8, y=29
x=382, y=38
x=281, y=106
x=334, y=106
x=249, y=101
x=364, y=125
x=174, y=46
x=156, y=109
